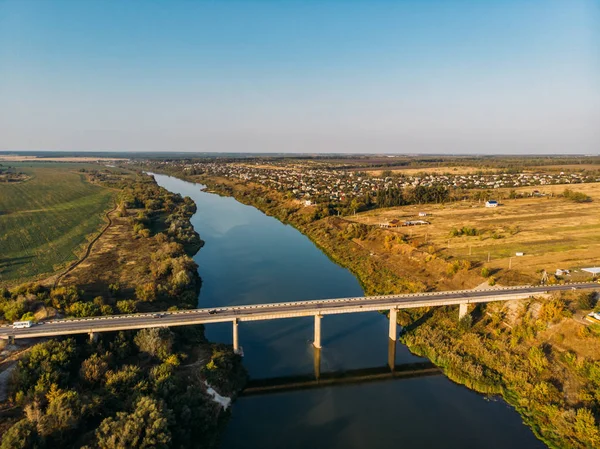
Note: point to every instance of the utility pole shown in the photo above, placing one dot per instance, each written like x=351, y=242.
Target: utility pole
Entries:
x=488, y=256
x=470, y=250
x=509, y=263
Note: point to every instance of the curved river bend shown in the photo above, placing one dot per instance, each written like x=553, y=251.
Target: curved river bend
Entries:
x=252, y=258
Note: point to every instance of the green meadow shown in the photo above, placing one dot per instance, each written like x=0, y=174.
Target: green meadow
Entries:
x=47, y=219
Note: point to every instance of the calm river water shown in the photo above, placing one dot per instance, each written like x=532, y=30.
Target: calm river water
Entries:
x=251, y=258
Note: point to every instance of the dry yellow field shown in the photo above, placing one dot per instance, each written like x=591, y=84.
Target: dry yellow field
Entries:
x=552, y=232
x=430, y=170
x=567, y=167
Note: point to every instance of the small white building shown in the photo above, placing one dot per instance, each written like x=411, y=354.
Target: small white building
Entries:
x=491, y=203
x=422, y=214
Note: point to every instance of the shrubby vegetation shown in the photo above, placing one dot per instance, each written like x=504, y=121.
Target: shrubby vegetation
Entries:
x=127, y=390
x=576, y=197
x=533, y=376
x=158, y=210
x=465, y=230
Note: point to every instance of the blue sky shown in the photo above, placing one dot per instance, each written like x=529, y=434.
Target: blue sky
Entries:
x=444, y=76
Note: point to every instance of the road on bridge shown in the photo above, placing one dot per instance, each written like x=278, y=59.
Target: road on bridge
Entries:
x=278, y=310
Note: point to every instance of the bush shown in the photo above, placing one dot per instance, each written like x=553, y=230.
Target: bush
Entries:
x=126, y=306
x=156, y=342
x=576, y=197
x=29, y=316
x=145, y=427
x=83, y=309
x=146, y=292
x=465, y=323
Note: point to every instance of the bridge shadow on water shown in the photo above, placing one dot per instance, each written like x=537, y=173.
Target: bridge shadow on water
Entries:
x=256, y=387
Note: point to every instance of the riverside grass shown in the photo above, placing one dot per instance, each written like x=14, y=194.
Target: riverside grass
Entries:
x=44, y=220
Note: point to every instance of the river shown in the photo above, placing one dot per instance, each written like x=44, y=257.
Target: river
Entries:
x=248, y=258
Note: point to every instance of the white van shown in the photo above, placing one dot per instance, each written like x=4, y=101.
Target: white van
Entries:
x=22, y=324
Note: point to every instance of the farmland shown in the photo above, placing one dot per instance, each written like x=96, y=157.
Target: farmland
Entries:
x=47, y=219
x=552, y=232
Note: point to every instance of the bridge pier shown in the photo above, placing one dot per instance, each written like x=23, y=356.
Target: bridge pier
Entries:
x=317, y=341
x=394, y=324
x=462, y=310
x=93, y=336
x=236, y=337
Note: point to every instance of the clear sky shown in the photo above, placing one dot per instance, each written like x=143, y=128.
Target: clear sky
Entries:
x=447, y=76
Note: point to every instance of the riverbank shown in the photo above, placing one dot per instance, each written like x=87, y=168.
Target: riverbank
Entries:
x=529, y=353
x=173, y=382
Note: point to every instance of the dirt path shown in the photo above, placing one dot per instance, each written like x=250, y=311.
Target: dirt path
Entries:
x=89, y=248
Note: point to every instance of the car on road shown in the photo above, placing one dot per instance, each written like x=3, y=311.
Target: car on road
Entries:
x=158, y=315
x=212, y=312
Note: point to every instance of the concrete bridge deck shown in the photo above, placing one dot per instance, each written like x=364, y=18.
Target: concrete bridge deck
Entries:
x=316, y=308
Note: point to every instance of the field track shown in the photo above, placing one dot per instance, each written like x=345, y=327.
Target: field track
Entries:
x=89, y=247
x=47, y=220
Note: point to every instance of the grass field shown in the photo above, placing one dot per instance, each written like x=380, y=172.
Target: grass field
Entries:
x=552, y=232
x=47, y=219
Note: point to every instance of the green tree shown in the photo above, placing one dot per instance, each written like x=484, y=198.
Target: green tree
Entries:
x=63, y=297
x=156, y=342
x=94, y=368
x=62, y=414
x=13, y=310
x=123, y=381
x=46, y=364
x=146, y=427
x=126, y=306
x=22, y=435
x=83, y=309
x=29, y=316
x=146, y=292
x=586, y=427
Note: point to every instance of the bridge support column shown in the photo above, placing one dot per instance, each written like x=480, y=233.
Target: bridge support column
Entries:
x=93, y=336
x=317, y=341
x=462, y=310
x=236, y=338
x=394, y=324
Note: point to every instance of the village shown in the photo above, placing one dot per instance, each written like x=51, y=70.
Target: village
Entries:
x=314, y=185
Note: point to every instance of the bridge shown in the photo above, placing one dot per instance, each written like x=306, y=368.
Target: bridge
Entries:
x=274, y=311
